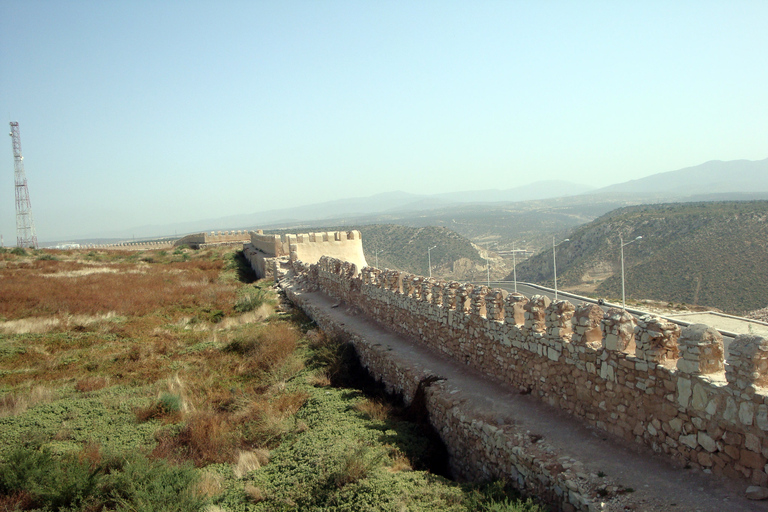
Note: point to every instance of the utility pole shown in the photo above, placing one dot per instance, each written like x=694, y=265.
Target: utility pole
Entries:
x=622, y=245
x=429, y=259
x=25, y=225
x=514, y=265
x=554, y=260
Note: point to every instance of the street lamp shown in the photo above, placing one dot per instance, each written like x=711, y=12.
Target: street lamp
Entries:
x=377, y=256
x=554, y=259
x=429, y=259
x=622, y=244
x=488, y=262
x=514, y=265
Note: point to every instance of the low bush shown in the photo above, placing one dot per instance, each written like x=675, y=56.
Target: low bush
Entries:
x=356, y=465
x=49, y=482
x=252, y=299
x=206, y=438
x=149, y=485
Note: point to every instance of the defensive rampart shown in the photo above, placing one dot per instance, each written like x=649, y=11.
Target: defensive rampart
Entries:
x=265, y=251
x=642, y=379
x=130, y=246
x=197, y=240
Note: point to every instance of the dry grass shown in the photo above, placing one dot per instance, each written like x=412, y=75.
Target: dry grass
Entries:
x=206, y=438
x=89, y=384
x=400, y=463
x=12, y=404
x=250, y=460
x=120, y=321
x=126, y=288
x=319, y=379
x=210, y=484
x=255, y=494
x=374, y=409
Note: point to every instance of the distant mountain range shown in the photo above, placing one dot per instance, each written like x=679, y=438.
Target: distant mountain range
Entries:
x=714, y=180
x=713, y=177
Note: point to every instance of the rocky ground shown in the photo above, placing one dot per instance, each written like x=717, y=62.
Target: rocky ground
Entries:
x=758, y=314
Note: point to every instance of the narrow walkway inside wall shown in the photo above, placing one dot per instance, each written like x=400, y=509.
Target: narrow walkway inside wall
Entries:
x=494, y=431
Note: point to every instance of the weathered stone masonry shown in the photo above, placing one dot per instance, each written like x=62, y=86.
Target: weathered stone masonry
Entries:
x=479, y=447
x=640, y=379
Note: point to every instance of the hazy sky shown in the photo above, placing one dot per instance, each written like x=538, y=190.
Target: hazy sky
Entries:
x=135, y=113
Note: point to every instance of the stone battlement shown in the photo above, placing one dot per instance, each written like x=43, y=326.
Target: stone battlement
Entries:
x=305, y=247
x=196, y=240
x=642, y=379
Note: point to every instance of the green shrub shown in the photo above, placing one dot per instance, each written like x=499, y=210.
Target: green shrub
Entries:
x=51, y=483
x=18, y=251
x=356, y=465
x=251, y=300
x=47, y=257
x=148, y=485
x=170, y=403
x=498, y=497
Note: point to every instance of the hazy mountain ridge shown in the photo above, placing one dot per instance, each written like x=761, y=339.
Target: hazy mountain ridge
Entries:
x=550, y=207
x=713, y=177
x=713, y=254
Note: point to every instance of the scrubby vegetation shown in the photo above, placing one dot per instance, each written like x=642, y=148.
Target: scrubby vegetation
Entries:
x=169, y=381
x=711, y=254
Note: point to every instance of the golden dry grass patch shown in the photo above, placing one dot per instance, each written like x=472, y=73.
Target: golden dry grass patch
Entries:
x=250, y=460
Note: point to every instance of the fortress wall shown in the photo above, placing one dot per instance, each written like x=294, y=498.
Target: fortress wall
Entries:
x=478, y=450
x=267, y=253
x=131, y=246
x=218, y=237
x=343, y=245
x=194, y=240
x=264, y=265
x=643, y=379
x=271, y=245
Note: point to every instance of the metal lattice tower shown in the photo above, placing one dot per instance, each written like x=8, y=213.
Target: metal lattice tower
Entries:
x=25, y=225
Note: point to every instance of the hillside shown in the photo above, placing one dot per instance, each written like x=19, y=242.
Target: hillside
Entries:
x=710, y=254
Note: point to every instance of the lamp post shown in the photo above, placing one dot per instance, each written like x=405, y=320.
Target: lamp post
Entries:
x=377, y=256
x=514, y=265
x=488, y=262
x=554, y=259
x=622, y=244
x=429, y=259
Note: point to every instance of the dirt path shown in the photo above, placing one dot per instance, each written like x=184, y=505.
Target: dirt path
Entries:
x=658, y=484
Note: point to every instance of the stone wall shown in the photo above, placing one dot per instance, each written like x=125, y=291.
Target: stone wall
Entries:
x=479, y=448
x=269, y=253
x=130, y=246
x=198, y=240
x=642, y=379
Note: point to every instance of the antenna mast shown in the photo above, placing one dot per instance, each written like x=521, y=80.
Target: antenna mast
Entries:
x=25, y=225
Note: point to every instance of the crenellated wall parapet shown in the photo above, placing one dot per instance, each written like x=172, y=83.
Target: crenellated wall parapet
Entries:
x=197, y=240
x=642, y=379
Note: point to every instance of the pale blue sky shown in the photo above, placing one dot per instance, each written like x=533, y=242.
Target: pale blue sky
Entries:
x=135, y=113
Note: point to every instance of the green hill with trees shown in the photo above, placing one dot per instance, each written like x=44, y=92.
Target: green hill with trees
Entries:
x=713, y=254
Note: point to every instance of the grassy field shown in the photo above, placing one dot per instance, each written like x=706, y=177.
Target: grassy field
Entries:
x=170, y=381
